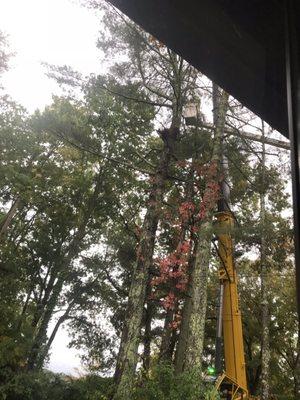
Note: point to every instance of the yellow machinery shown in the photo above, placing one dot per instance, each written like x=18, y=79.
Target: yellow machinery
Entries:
x=232, y=383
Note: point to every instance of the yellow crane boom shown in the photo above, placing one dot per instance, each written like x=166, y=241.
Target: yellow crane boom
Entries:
x=233, y=382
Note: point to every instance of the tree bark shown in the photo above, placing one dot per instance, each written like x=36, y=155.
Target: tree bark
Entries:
x=9, y=216
x=169, y=336
x=36, y=355
x=198, y=300
x=190, y=346
x=164, y=351
x=184, y=326
x=128, y=351
x=147, y=332
x=24, y=309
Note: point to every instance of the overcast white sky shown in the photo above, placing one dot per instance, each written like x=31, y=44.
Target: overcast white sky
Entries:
x=53, y=31
x=57, y=32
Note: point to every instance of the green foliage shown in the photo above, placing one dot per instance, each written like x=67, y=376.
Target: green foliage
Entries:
x=46, y=385
x=163, y=384
x=65, y=169
x=35, y=386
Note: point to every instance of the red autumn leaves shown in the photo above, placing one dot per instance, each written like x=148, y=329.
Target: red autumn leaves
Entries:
x=171, y=283
x=173, y=273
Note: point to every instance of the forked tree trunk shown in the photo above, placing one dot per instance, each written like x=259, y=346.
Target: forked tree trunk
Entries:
x=191, y=339
x=128, y=351
x=39, y=350
x=46, y=348
x=37, y=354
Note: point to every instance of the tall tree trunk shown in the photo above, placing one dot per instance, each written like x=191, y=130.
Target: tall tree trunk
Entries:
x=4, y=224
x=198, y=299
x=44, y=296
x=24, y=309
x=147, y=332
x=45, y=350
x=36, y=354
x=186, y=315
x=265, y=340
x=164, y=351
x=190, y=346
x=169, y=335
x=128, y=351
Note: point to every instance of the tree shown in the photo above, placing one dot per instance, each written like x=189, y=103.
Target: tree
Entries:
x=174, y=79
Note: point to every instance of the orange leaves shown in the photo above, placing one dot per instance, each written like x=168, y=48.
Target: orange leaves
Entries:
x=209, y=200
x=173, y=274
x=171, y=283
x=186, y=210
x=169, y=301
x=171, y=268
x=184, y=247
x=176, y=322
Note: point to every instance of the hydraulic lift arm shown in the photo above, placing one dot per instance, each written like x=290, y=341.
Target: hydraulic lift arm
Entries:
x=232, y=383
